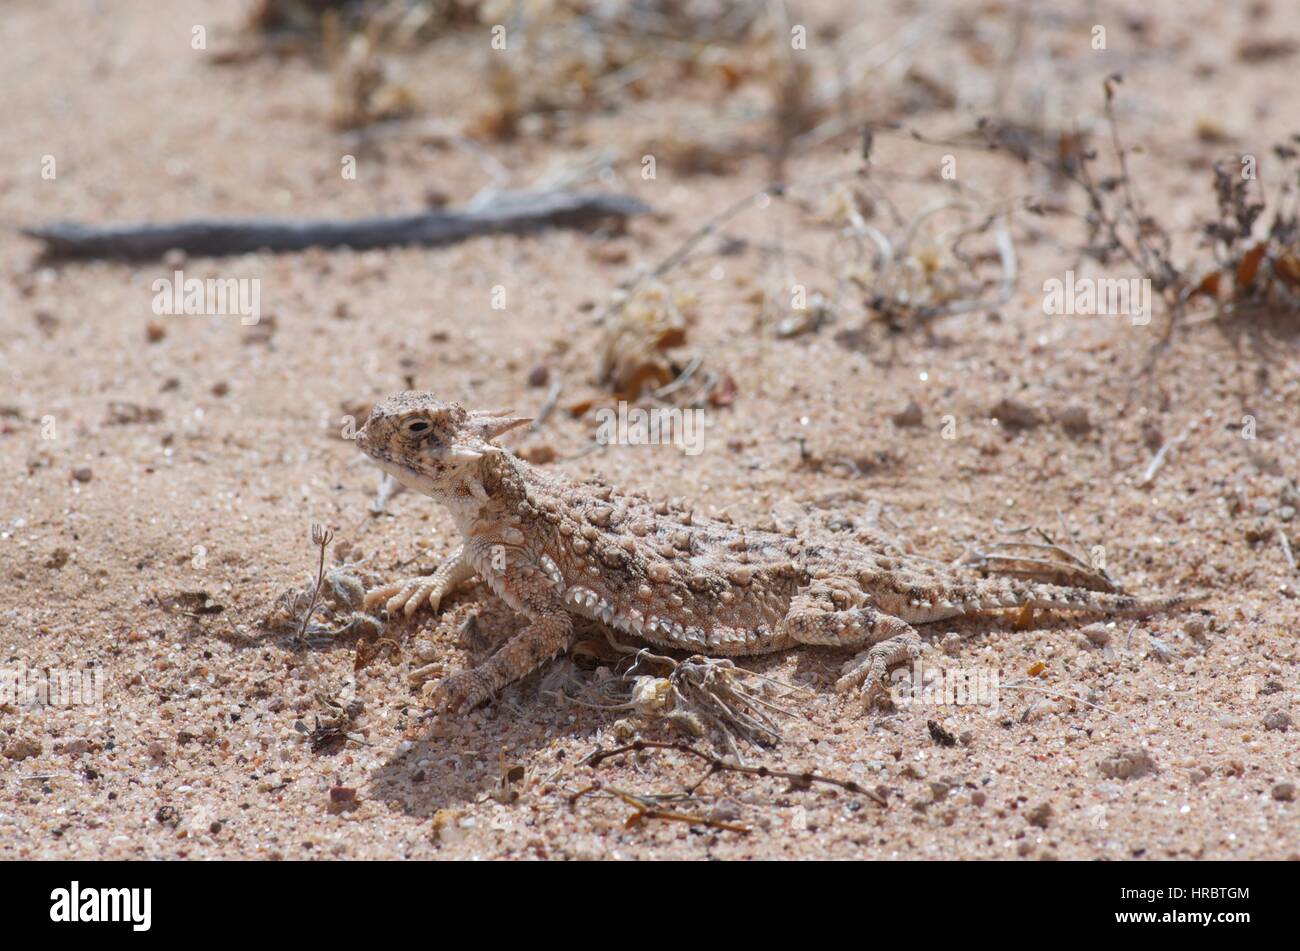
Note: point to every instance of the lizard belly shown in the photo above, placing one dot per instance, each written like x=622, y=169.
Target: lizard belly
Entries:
x=927, y=614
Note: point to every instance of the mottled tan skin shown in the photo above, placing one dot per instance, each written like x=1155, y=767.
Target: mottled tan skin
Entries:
x=554, y=549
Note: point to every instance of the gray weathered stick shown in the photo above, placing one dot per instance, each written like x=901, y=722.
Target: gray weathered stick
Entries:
x=509, y=212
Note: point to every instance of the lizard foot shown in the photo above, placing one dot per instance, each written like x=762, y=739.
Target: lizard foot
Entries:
x=461, y=691
x=868, y=673
x=406, y=596
x=528, y=650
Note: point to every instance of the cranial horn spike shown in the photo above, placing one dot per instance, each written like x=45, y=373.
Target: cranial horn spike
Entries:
x=492, y=425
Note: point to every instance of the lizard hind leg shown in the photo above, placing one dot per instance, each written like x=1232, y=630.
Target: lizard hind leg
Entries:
x=817, y=616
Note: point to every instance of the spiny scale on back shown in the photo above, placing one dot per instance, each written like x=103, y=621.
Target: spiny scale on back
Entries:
x=664, y=572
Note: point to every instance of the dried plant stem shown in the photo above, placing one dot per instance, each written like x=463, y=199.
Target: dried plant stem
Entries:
x=1287, y=553
x=1020, y=685
x=322, y=537
x=1158, y=460
x=548, y=406
x=714, y=224
x=800, y=780
x=647, y=807
x=1025, y=558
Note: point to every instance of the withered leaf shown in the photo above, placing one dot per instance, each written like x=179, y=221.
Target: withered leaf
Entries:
x=724, y=394
x=1248, y=267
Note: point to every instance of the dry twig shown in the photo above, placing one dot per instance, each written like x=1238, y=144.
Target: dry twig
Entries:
x=798, y=780
x=506, y=213
x=1158, y=461
x=648, y=807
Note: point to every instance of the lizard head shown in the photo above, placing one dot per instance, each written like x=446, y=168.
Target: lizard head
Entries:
x=428, y=445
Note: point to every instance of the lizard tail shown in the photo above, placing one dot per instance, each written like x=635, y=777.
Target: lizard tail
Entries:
x=1059, y=598
x=1004, y=594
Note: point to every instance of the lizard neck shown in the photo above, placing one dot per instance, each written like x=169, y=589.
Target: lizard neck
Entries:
x=490, y=490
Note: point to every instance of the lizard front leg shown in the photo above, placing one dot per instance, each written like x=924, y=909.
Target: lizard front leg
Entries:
x=409, y=594
x=532, y=591
x=820, y=615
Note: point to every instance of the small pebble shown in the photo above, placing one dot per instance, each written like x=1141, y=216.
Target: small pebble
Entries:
x=1098, y=634
x=1152, y=435
x=1128, y=764
x=1284, y=792
x=908, y=416
x=1074, y=420
x=1258, y=531
x=343, y=799
x=725, y=810
x=1164, y=651
x=22, y=747
x=1278, y=720
x=77, y=747
x=540, y=454
x=1015, y=414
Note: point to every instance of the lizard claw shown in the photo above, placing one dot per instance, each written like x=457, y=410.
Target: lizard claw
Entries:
x=405, y=596
x=868, y=673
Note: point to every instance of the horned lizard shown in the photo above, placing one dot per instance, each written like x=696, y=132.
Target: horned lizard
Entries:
x=555, y=549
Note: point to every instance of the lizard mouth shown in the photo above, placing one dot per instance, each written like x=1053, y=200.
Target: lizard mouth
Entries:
x=383, y=459
x=403, y=473
x=377, y=453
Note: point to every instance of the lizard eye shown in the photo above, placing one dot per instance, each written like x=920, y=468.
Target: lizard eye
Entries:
x=417, y=426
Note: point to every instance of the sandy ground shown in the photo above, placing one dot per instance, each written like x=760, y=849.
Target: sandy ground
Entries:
x=148, y=456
